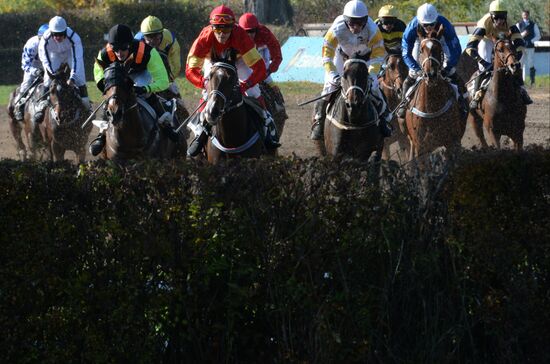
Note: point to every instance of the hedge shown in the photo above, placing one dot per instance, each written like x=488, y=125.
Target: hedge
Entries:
x=294, y=261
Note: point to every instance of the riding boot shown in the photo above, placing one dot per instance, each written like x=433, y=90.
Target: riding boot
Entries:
x=522, y=90
x=409, y=81
x=532, y=73
x=19, y=110
x=198, y=143
x=164, y=117
x=271, y=140
x=385, y=118
x=477, y=93
x=41, y=107
x=318, y=126
x=97, y=145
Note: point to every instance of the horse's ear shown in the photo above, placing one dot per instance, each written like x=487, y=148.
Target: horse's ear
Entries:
x=213, y=55
x=232, y=57
x=128, y=62
x=440, y=31
x=420, y=32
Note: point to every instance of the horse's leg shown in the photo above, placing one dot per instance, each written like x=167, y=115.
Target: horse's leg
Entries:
x=386, y=150
x=494, y=139
x=404, y=147
x=518, y=142
x=16, y=128
x=476, y=122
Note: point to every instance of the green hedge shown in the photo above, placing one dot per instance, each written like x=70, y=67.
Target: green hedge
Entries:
x=296, y=261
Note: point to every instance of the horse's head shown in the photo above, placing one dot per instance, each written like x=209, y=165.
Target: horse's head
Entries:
x=64, y=98
x=431, y=51
x=118, y=91
x=355, y=80
x=396, y=70
x=504, y=52
x=223, y=85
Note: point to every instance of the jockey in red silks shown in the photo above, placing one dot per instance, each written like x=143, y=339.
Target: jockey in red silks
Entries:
x=221, y=34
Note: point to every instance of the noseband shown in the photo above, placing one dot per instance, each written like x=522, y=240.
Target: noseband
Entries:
x=504, y=60
x=355, y=87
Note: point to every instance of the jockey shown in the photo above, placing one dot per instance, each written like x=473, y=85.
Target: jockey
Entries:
x=121, y=45
x=60, y=44
x=32, y=68
x=390, y=26
x=222, y=34
x=426, y=19
x=164, y=41
x=267, y=45
x=489, y=26
x=392, y=30
x=351, y=32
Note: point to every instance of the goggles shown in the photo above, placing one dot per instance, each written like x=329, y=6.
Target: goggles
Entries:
x=152, y=36
x=120, y=47
x=59, y=34
x=222, y=19
x=222, y=28
x=249, y=31
x=428, y=25
x=387, y=21
x=499, y=16
x=356, y=21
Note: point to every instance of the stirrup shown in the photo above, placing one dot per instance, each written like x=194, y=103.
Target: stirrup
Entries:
x=197, y=144
x=317, y=131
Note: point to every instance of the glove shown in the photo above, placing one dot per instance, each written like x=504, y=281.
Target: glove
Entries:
x=448, y=71
x=415, y=73
x=205, y=83
x=486, y=65
x=335, y=78
x=71, y=82
x=140, y=90
x=36, y=72
x=244, y=85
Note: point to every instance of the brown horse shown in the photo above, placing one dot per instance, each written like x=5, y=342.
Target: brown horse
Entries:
x=235, y=126
x=351, y=125
x=64, y=118
x=275, y=104
x=433, y=117
x=391, y=84
x=36, y=143
x=132, y=130
x=502, y=109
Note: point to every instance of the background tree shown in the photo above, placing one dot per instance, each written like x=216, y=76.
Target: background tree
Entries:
x=270, y=11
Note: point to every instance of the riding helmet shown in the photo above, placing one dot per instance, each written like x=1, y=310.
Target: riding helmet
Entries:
x=120, y=35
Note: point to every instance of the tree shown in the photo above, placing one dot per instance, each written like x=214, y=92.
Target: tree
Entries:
x=270, y=11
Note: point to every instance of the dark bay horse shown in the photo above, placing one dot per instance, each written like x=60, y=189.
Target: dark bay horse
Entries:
x=391, y=85
x=502, y=110
x=36, y=144
x=275, y=105
x=132, y=131
x=433, y=117
x=351, y=125
x=235, y=126
x=64, y=118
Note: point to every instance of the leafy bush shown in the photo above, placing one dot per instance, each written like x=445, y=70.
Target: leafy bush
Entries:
x=275, y=261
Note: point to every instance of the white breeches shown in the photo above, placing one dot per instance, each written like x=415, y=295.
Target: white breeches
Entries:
x=485, y=50
x=243, y=71
x=56, y=61
x=28, y=79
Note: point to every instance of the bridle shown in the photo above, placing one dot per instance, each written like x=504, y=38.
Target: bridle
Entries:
x=431, y=58
x=363, y=91
x=232, y=104
x=122, y=107
x=504, y=60
x=53, y=105
x=393, y=81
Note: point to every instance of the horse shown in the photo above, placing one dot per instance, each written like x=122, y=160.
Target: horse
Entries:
x=132, y=131
x=502, y=111
x=391, y=84
x=234, y=125
x=351, y=125
x=275, y=105
x=35, y=142
x=433, y=118
x=64, y=118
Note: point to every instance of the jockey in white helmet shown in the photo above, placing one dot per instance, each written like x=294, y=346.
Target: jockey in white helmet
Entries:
x=352, y=32
x=60, y=44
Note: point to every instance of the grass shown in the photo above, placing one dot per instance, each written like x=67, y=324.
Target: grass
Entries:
x=190, y=92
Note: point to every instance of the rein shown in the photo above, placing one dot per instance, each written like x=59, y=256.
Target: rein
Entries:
x=355, y=87
x=221, y=95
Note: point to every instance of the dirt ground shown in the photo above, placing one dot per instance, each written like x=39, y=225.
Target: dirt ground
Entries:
x=295, y=139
